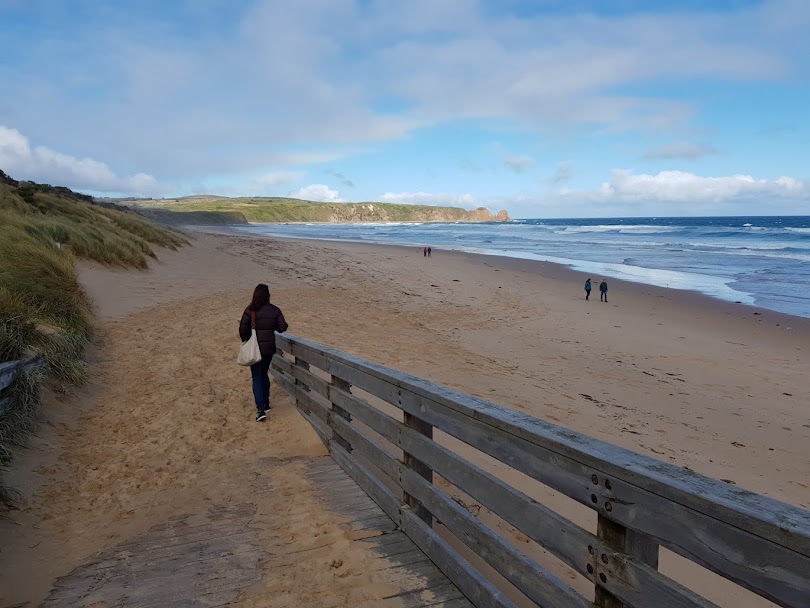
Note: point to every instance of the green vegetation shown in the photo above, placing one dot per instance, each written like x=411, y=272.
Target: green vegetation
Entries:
x=43, y=309
x=280, y=210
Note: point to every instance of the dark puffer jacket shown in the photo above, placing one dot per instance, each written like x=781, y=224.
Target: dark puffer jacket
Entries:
x=268, y=321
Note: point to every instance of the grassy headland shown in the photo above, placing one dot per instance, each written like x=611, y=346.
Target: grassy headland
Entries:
x=281, y=210
x=43, y=309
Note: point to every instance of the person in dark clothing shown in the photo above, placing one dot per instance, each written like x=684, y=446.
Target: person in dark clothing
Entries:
x=268, y=320
x=603, y=291
x=430, y=250
x=587, y=289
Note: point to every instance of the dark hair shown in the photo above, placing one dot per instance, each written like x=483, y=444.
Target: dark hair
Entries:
x=261, y=296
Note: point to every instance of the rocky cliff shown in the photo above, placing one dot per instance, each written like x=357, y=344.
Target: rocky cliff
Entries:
x=286, y=210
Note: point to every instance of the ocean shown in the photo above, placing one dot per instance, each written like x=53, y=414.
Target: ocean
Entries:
x=759, y=261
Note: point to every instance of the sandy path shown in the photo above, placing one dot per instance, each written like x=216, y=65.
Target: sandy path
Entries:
x=167, y=421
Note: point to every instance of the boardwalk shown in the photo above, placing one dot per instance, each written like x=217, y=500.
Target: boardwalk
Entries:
x=214, y=558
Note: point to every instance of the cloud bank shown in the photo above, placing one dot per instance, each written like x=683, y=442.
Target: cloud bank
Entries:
x=22, y=161
x=318, y=192
x=680, y=187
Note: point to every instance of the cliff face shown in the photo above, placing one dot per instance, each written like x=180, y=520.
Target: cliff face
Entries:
x=388, y=212
x=285, y=210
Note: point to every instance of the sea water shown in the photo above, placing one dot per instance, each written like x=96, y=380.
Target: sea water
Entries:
x=761, y=261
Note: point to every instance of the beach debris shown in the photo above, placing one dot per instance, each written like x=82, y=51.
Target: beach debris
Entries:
x=738, y=444
x=336, y=563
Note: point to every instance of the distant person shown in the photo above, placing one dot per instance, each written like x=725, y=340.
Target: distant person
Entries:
x=268, y=320
x=603, y=291
x=429, y=251
x=587, y=289
x=424, y=252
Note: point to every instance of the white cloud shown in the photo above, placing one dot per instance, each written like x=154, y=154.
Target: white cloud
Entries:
x=42, y=164
x=680, y=186
x=317, y=192
x=681, y=150
x=429, y=198
x=667, y=193
x=518, y=164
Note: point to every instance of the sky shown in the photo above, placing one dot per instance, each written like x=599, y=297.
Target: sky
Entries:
x=548, y=108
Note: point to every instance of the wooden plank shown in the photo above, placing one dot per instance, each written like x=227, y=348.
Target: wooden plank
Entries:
x=717, y=525
x=479, y=590
x=384, y=497
x=368, y=448
x=626, y=577
x=526, y=574
x=324, y=432
x=768, y=569
x=413, y=462
x=766, y=517
x=9, y=371
x=440, y=597
x=339, y=411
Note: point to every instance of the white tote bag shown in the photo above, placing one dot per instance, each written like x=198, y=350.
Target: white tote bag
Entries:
x=249, y=352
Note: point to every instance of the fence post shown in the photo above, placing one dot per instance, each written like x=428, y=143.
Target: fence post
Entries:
x=618, y=537
x=303, y=365
x=413, y=463
x=344, y=386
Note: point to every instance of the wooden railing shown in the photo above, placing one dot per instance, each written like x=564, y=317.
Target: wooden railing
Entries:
x=10, y=370
x=641, y=503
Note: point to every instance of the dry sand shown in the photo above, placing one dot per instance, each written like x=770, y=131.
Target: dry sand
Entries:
x=167, y=422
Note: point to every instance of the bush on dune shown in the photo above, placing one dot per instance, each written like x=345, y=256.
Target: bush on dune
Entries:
x=43, y=309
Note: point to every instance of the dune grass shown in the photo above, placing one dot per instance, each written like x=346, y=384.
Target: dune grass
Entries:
x=43, y=309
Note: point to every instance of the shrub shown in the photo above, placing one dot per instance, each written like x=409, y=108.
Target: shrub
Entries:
x=43, y=309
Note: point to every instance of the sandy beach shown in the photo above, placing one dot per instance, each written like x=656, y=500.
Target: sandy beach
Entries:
x=167, y=420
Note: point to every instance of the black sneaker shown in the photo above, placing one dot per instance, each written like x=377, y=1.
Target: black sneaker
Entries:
x=261, y=417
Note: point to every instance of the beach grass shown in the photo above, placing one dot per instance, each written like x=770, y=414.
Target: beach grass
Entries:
x=43, y=309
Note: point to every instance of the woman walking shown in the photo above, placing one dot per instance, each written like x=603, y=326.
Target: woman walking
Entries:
x=266, y=319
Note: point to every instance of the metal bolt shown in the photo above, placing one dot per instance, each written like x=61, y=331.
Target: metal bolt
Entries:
x=590, y=569
x=602, y=577
x=590, y=549
x=593, y=498
x=604, y=558
x=608, y=485
x=595, y=479
x=608, y=506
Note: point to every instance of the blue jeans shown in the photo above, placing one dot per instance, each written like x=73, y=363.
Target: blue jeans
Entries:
x=261, y=383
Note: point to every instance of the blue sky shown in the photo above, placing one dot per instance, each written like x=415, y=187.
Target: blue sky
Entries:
x=548, y=108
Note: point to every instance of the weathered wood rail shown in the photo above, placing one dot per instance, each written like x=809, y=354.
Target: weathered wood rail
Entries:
x=641, y=503
x=10, y=370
